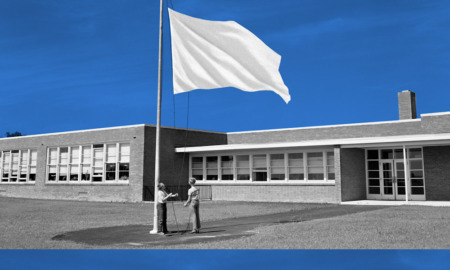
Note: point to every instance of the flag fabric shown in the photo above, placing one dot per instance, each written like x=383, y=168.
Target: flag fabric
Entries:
x=215, y=54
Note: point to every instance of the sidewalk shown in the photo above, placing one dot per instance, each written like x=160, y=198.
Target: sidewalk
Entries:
x=139, y=236
x=396, y=203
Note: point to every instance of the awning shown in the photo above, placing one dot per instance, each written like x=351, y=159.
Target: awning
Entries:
x=365, y=142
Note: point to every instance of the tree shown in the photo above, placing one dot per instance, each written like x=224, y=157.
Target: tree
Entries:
x=14, y=134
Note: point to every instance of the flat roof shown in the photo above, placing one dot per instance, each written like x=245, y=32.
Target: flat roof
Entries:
x=102, y=129
x=365, y=142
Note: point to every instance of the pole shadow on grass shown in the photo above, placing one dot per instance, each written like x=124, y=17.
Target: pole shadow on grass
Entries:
x=218, y=230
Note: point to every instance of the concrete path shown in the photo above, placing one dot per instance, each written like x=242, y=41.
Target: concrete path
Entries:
x=398, y=203
x=218, y=230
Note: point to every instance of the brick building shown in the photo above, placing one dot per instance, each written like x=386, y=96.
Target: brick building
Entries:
x=395, y=160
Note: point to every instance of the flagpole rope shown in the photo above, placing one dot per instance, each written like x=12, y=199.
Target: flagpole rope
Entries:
x=185, y=144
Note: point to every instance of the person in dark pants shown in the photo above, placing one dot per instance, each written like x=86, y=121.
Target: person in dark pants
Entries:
x=194, y=205
x=162, y=208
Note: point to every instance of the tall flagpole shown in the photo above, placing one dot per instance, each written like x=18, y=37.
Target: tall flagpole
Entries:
x=158, y=122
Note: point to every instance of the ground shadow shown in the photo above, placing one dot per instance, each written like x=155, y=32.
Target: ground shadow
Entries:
x=138, y=235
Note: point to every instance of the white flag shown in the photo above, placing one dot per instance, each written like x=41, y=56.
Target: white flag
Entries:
x=215, y=54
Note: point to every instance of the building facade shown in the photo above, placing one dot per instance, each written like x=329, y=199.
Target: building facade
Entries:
x=406, y=159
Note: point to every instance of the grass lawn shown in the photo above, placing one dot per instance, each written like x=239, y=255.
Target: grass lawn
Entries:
x=30, y=224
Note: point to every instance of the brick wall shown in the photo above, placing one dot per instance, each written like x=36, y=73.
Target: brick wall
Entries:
x=437, y=173
x=436, y=123
x=275, y=193
x=353, y=174
x=174, y=167
x=334, y=132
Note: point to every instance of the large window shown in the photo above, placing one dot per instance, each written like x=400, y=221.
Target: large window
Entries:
x=308, y=166
x=102, y=163
x=18, y=166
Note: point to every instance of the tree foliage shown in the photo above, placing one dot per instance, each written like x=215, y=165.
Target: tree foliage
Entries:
x=14, y=134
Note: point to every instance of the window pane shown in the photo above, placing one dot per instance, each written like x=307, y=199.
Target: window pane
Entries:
x=86, y=155
x=124, y=171
x=212, y=171
x=86, y=172
x=315, y=159
x=387, y=154
x=415, y=153
x=211, y=162
x=74, y=155
x=416, y=174
x=63, y=155
x=124, y=175
x=398, y=153
x=74, y=169
x=259, y=176
x=227, y=161
x=243, y=161
x=415, y=164
x=295, y=159
x=374, y=182
x=33, y=157
x=62, y=172
x=227, y=167
x=53, y=152
x=243, y=174
x=124, y=152
x=259, y=162
x=416, y=182
x=372, y=154
x=330, y=158
x=111, y=155
x=417, y=190
x=372, y=165
x=197, y=174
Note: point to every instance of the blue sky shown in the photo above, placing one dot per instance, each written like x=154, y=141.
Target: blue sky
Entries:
x=226, y=259
x=71, y=65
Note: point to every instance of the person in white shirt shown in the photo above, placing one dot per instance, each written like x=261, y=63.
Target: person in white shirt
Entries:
x=194, y=205
x=162, y=198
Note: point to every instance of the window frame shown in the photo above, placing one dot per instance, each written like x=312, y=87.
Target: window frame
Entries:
x=85, y=160
x=268, y=155
x=21, y=153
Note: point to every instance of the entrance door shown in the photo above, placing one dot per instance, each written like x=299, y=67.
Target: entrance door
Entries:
x=393, y=173
x=399, y=167
x=387, y=181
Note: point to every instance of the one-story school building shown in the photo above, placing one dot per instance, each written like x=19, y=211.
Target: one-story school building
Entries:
x=407, y=159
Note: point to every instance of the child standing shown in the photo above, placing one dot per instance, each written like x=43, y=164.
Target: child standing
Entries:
x=194, y=205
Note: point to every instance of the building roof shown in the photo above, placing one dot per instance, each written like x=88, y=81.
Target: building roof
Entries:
x=366, y=142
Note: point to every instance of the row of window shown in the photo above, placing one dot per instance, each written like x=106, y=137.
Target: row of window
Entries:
x=295, y=166
x=18, y=165
x=89, y=163
x=71, y=164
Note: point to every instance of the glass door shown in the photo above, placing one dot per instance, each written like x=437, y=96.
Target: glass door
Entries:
x=388, y=178
x=400, y=180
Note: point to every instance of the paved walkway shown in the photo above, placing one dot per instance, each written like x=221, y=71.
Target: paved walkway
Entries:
x=396, y=203
x=138, y=235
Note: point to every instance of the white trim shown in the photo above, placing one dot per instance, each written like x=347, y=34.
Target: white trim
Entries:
x=435, y=114
x=421, y=139
x=262, y=183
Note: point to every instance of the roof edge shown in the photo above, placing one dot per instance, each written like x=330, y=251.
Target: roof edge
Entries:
x=329, y=126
